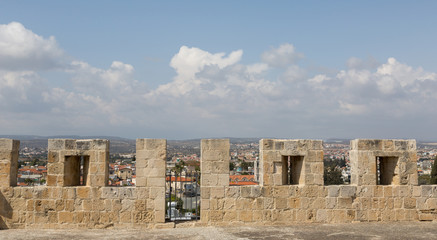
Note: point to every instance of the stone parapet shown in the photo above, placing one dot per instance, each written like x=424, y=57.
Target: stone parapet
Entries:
x=266, y=205
x=150, y=168
x=291, y=188
x=290, y=162
x=214, y=162
x=8, y=162
x=133, y=207
x=78, y=162
x=43, y=207
x=214, y=168
x=383, y=162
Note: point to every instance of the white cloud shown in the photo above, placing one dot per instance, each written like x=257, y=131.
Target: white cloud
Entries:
x=211, y=95
x=282, y=56
x=117, y=79
x=359, y=64
x=21, y=49
x=294, y=74
x=393, y=74
x=357, y=109
x=189, y=61
x=20, y=90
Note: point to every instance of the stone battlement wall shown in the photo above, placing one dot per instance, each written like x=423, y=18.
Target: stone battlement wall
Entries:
x=383, y=186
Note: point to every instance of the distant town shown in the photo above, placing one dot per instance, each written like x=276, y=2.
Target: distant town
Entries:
x=186, y=154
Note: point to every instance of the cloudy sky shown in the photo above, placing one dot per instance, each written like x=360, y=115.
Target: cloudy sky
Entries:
x=191, y=69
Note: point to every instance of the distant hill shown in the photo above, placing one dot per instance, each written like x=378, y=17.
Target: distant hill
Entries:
x=125, y=145
x=337, y=140
x=116, y=144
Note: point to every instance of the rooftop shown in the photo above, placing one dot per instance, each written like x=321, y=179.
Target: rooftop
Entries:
x=395, y=230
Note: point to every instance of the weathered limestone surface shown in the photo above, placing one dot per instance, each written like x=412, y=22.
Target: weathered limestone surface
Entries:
x=8, y=162
x=91, y=205
x=94, y=205
x=272, y=167
x=64, y=158
x=399, y=157
x=214, y=166
x=150, y=168
x=77, y=207
x=323, y=204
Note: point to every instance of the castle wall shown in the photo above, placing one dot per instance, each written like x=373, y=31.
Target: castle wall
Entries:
x=276, y=200
x=70, y=201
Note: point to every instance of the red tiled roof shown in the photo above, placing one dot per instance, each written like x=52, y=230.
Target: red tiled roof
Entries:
x=180, y=179
x=29, y=170
x=240, y=180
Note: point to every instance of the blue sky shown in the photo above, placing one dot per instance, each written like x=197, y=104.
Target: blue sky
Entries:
x=188, y=69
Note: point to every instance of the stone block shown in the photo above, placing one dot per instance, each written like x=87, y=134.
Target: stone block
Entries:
x=223, y=179
x=426, y=190
x=100, y=144
x=258, y=203
x=278, y=145
x=255, y=191
x=213, y=144
x=232, y=192
x=344, y=203
x=246, y=191
x=348, y=191
x=426, y=217
x=367, y=144
x=83, y=192
x=266, y=144
x=205, y=192
x=331, y=202
x=230, y=216
x=9, y=144
x=215, y=155
x=60, y=144
x=245, y=216
x=409, y=203
x=216, y=215
x=156, y=182
x=156, y=192
x=281, y=203
x=141, y=181
x=217, y=192
x=128, y=192
x=280, y=191
x=220, y=167
x=83, y=144
x=66, y=217
x=388, y=191
x=333, y=191
x=294, y=203
x=268, y=203
x=229, y=204
x=209, y=180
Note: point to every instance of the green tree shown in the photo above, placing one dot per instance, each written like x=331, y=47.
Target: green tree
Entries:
x=231, y=166
x=424, y=179
x=332, y=176
x=179, y=167
x=245, y=165
x=35, y=161
x=29, y=181
x=42, y=181
x=433, y=179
